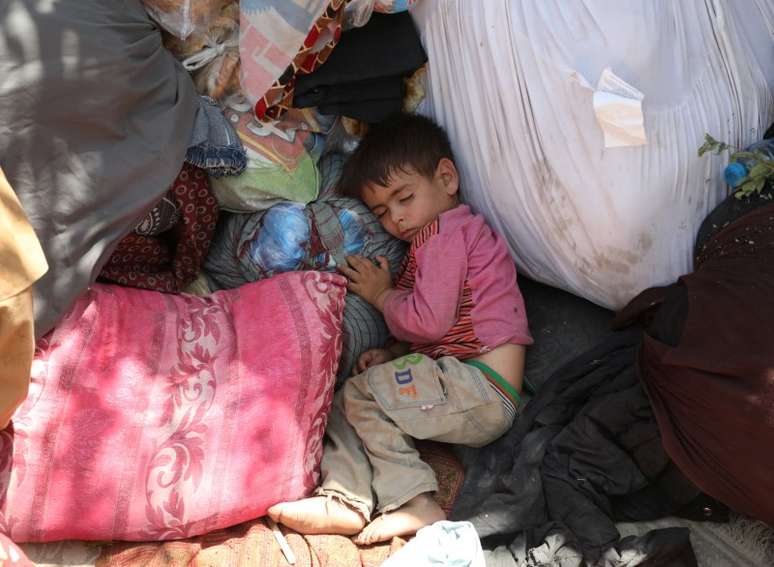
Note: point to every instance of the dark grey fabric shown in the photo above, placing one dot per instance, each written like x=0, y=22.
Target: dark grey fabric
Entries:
x=563, y=326
x=95, y=119
x=585, y=453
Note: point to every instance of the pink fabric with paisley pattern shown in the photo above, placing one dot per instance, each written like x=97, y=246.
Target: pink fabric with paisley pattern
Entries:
x=154, y=416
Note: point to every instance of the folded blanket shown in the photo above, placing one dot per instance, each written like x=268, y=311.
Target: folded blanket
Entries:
x=363, y=77
x=279, y=41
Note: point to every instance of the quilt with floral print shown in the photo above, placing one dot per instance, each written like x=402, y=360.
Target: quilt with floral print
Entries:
x=154, y=416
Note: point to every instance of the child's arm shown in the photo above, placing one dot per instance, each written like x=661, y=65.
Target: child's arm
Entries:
x=425, y=313
x=368, y=280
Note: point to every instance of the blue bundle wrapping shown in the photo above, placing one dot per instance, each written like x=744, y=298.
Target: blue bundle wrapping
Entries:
x=318, y=236
x=280, y=245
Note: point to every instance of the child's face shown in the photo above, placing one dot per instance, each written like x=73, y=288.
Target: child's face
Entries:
x=410, y=201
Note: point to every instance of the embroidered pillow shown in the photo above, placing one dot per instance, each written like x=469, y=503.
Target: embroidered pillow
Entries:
x=154, y=416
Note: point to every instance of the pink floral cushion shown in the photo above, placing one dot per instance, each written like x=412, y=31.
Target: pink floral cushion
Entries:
x=155, y=416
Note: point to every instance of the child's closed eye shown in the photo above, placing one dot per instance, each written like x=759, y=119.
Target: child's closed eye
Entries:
x=407, y=198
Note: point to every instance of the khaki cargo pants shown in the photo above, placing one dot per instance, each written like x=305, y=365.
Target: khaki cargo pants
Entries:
x=369, y=460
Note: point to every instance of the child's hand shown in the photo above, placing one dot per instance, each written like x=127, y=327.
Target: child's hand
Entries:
x=367, y=280
x=372, y=357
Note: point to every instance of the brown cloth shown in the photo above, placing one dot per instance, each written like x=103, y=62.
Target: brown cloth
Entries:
x=708, y=365
x=22, y=262
x=21, y=257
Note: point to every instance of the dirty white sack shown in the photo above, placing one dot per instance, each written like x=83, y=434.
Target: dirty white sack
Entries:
x=511, y=81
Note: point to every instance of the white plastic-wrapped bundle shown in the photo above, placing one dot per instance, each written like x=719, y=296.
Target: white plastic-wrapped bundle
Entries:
x=600, y=213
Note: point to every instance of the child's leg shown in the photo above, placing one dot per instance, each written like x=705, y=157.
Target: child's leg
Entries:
x=344, y=500
x=415, y=396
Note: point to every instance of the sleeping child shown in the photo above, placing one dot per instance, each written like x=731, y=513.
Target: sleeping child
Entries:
x=454, y=371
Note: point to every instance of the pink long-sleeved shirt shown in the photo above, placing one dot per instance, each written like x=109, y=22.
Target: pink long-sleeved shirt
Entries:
x=456, y=294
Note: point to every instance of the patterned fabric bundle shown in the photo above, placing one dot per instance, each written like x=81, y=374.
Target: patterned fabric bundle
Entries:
x=289, y=237
x=172, y=259
x=268, y=66
x=281, y=159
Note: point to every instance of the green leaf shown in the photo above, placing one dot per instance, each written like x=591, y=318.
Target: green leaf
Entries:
x=712, y=145
x=751, y=186
x=759, y=170
x=736, y=156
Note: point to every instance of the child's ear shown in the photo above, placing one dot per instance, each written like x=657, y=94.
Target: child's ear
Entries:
x=446, y=173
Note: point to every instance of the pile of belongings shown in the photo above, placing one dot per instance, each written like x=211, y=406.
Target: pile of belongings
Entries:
x=191, y=206
x=181, y=180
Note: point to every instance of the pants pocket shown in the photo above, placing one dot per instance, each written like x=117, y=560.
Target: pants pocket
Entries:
x=412, y=381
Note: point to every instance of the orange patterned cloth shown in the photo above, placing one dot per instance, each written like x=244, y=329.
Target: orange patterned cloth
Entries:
x=252, y=543
x=279, y=98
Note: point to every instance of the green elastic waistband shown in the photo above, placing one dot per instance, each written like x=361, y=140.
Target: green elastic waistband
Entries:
x=502, y=382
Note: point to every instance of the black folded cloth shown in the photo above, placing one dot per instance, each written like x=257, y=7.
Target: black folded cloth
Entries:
x=363, y=77
x=381, y=88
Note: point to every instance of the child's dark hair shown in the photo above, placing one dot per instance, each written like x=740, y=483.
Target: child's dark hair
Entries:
x=402, y=142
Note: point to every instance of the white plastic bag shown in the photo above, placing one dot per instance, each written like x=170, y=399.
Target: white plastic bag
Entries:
x=358, y=12
x=182, y=17
x=511, y=81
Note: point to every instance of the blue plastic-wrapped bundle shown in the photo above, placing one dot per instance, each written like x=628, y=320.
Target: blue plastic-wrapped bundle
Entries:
x=291, y=236
x=280, y=246
x=318, y=236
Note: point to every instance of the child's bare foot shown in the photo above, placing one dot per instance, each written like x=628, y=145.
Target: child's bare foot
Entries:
x=417, y=513
x=318, y=515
